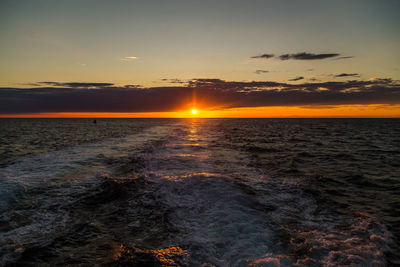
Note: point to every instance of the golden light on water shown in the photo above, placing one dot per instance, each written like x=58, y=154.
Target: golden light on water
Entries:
x=165, y=257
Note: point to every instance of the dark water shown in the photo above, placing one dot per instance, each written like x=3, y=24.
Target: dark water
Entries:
x=223, y=192
x=20, y=137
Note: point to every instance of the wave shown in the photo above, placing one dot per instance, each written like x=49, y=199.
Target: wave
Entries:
x=183, y=199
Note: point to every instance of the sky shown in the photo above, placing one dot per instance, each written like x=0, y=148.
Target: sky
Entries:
x=225, y=58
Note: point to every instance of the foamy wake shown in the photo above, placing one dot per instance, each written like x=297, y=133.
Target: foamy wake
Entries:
x=227, y=214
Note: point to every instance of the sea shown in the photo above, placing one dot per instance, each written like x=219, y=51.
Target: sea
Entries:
x=200, y=192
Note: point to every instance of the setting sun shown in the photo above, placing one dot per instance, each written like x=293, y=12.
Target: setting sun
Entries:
x=194, y=111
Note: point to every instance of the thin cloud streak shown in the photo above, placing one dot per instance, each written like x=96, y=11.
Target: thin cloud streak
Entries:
x=266, y=56
x=74, y=84
x=339, y=58
x=307, y=56
x=297, y=78
x=302, y=56
x=261, y=71
x=347, y=75
x=128, y=58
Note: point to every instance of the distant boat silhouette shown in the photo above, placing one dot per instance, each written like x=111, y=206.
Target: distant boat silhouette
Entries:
x=94, y=121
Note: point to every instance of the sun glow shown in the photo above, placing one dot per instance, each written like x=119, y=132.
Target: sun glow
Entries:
x=194, y=111
x=333, y=111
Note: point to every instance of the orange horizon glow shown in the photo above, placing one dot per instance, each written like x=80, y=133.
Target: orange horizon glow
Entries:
x=337, y=111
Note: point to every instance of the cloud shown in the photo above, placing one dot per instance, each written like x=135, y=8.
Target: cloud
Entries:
x=307, y=56
x=347, y=75
x=75, y=84
x=211, y=93
x=339, y=58
x=128, y=58
x=303, y=56
x=178, y=81
x=132, y=86
x=297, y=78
x=261, y=71
x=266, y=56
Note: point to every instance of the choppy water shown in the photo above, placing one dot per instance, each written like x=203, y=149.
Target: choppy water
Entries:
x=223, y=192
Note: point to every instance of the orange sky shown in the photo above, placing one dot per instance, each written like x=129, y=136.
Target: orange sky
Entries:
x=338, y=111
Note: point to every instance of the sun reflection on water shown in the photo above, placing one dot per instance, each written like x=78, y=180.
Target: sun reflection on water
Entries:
x=170, y=256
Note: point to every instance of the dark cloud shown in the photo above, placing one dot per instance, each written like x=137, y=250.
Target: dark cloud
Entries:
x=210, y=93
x=75, y=85
x=261, y=71
x=347, y=75
x=266, y=56
x=297, y=78
x=303, y=56
x=174, y=81
x=339, y=58
x=307, y=56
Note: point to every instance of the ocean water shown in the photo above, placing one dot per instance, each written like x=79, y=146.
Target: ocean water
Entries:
x=200, y=192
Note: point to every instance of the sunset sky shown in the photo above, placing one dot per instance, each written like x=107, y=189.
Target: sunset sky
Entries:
x=225, y=58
